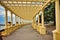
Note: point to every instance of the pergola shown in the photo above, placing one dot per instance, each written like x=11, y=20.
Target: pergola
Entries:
x=28, y=9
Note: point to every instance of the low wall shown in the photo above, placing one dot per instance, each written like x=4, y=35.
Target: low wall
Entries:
x=10, y=30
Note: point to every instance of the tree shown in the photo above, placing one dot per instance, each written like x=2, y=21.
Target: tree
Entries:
x=50, y=13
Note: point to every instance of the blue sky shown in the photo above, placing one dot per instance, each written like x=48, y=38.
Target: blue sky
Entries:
x=2, y=15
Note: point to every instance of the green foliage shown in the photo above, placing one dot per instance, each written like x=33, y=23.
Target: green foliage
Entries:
x=50, y=12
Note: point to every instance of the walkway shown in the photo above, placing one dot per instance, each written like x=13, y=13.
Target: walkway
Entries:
x=27, y=33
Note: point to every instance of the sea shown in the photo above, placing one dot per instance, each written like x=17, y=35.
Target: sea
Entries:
x=2, y=26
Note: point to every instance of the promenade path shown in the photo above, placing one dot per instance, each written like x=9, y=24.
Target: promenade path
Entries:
x=27, y=33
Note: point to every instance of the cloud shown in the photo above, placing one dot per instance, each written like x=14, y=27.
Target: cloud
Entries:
x=9, y=13
x=1, y=7
x=14, y=15
x=2, y=11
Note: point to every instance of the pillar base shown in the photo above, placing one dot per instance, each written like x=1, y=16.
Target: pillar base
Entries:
x=42, y=30
x=34, y=26
x=56, y=35
x=38, y=28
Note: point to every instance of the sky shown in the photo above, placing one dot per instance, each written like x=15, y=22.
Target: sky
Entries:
x=2, y=15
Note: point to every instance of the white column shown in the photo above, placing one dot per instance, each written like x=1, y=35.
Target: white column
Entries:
x=57, y=15
x=43, y=18
x=56, y=33
x=20, y=20
x=11, y=19
x=15, y=19
x=38, y=19
x=6, y=19
x=43, y=28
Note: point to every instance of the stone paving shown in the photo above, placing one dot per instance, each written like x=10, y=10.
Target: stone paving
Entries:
x=27, y=33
